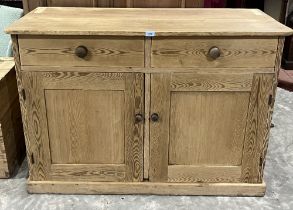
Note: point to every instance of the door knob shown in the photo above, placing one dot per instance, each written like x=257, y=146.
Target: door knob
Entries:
x=138, y=118
x=81, y=51
x=214, y=52
x=155, y=117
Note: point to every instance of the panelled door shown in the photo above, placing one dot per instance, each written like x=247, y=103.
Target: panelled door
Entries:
x=82, y=126
x=205, y=126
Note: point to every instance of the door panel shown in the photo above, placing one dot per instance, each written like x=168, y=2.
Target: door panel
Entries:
x=104, y=113
x=207, y=128
x=86, y=123
x=202, y=126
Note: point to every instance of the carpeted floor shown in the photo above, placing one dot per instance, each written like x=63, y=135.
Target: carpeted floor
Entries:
x=278, y=176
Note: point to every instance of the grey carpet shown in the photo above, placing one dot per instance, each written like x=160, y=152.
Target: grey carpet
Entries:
x=278, y=177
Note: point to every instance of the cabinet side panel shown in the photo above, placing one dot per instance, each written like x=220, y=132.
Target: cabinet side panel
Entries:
x=30, y=143
x=257, y=128
x=37, y=124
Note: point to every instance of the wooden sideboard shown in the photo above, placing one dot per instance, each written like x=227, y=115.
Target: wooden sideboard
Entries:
x=160, y=101
x=29, y=5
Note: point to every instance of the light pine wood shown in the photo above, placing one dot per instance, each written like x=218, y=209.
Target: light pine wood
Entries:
x=92, y=140
x=194, y=52
x=135, y=22
x=194, y=114
x=257, y=128
x=146, y=145
x=102, y=51
x=36, y=125
x=159, y=131
x=204, y=174
x=73, y=123
x=81, y=115
x=189, y=110
x=147, y=101
x=147, y=69
x=211, y=82
x=12, y=148
x=228, y=189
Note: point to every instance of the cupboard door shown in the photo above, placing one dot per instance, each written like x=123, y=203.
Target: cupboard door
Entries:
x=82, y=125
x=210, y=127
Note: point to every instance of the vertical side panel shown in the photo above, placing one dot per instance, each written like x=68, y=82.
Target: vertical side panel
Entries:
x=134, y=100
x=257, y=128
x=30, y=143
x=37, y=124
x=270, y=114
x=159, y=131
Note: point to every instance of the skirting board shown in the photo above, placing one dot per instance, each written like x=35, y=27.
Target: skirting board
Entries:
x=220, y=189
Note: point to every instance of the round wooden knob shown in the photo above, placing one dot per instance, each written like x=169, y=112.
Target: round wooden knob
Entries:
x=138, y=118
x=81, y=51
x=155, y=117
x=214, y=52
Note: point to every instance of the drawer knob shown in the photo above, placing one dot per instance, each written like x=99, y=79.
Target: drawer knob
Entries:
x=155, y=117
x=138, y=118
x=81, y=51
x=214, y=52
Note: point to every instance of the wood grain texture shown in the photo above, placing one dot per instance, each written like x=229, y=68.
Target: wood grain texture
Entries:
x=87, y=125
x=147, y=101
x=264, y=144
x=159, y=131
x=12, y=148
x=36, y=126
x=83, y=131
x=19, y=78
x=135, y=22
x=8, y=89
x=134, y=135
x=89, y=172
x=207, y=128
x=102, y=51
x=228, y=189
x=87, y=81
x=257, y=127
x=211, y=82
x=146, y=145
x=194, y=52
x=204, y=174
x=147, y=69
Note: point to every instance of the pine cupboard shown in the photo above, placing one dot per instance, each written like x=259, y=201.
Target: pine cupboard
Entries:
x=147, y=101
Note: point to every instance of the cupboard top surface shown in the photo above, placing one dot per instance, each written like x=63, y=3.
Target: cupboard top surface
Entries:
x=138, y=21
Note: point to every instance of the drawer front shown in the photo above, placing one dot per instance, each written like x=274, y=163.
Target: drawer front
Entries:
x=195, y=52
x=101, y=51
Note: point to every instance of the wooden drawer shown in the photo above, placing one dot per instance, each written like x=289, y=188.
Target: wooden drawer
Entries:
x=102, y=51
x=194, y=52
